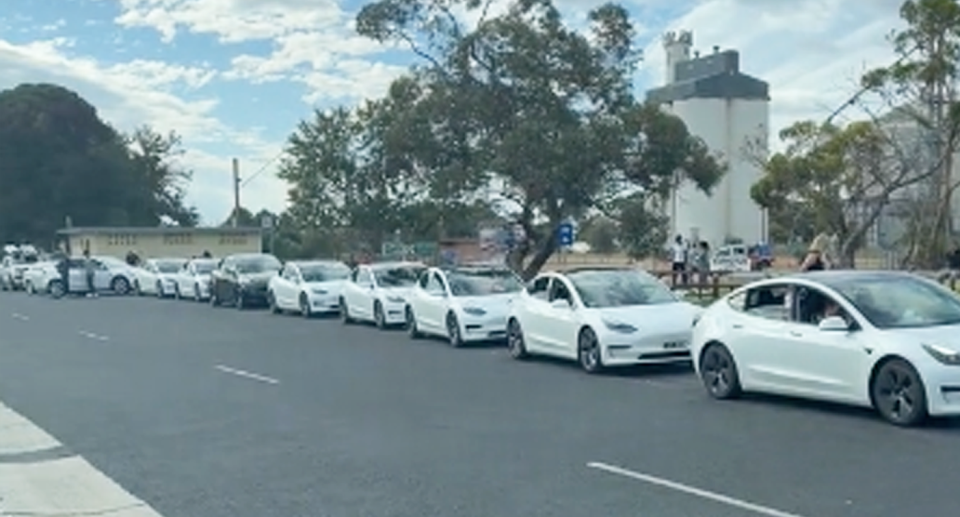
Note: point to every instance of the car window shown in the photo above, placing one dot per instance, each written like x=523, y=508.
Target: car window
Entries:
x=901, y=301
x=768, y=302
x=559, y=291
x=811, y=306
x=401, y=276
x=364, y=277
x=738, y=301
x=424, y=280
x=482, y=282
x=434, y=284
x=538, y=289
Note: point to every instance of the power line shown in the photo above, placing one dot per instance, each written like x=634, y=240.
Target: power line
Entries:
x=262, y=169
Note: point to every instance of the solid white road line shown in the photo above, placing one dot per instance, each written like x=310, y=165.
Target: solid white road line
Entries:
x=91, y=335
x=61, y=486
x=687, y=489
x=21, y=317
x=246, y=374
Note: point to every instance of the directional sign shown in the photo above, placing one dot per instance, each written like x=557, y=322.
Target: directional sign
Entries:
x=565, y=234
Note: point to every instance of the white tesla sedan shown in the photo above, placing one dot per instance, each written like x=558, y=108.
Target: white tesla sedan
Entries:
x=601, y=317
x=463, y=305
x=881, y=339
x=37, y=276
x=308, y=287
x=193, y=280
x=378, y=292
x=158, y=276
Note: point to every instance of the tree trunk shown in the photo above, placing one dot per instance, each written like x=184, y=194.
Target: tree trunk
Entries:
x=545, y=250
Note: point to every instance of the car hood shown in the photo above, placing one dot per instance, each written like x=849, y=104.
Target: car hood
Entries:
x=943, y=335
x=333, y=286
x=667, y=316
x=497, y=303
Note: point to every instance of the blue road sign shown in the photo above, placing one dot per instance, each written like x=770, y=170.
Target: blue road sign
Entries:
x=565, y=234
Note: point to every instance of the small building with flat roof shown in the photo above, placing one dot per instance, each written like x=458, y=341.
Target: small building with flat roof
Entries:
x=162, y=241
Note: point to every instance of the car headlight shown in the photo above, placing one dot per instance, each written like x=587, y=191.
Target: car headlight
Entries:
x=394, y=299
x=616, y=326
x=943, y=354
x=474, y=311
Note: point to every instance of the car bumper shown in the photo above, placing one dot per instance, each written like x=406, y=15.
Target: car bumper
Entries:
x=626, y=349
x=486, y=328
x=254, y=294
x=324, y=303
x=394, y=313
x=943, y=390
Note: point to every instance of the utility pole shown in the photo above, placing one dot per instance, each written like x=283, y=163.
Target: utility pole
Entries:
x=236, y=192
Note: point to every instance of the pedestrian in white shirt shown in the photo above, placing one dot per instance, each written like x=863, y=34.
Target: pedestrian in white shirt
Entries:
x=678, y=258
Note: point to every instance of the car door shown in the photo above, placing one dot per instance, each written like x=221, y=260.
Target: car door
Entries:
x=758, y=330
x=532, y=312
x=561, y=322
x=433, y=302
x=292, y=284
x=77, y=275
x=102, y=276
x=822, y=363
x=282, y=287
x=361, y=304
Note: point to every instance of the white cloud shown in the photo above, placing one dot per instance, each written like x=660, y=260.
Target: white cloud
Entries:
x=812, y=52
x=138, y=92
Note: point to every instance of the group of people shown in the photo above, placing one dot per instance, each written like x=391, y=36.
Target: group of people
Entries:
x=689, y=258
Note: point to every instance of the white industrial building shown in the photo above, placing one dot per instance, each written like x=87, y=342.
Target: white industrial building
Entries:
x=729, y=110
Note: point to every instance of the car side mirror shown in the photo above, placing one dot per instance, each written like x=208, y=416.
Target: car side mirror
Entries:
x=833, y=324
x=560, y=303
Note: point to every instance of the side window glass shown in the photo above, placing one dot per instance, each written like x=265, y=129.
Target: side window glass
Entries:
x=559, y=291
x=365, y=278
x=813, y=305
x=424, y=280
x=738, y=301
x=769, y=302
x=433, y=284
x=539, y=288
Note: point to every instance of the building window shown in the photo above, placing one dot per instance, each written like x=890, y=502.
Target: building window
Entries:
x=121, y=239
x=178, y=239
x=238, y=240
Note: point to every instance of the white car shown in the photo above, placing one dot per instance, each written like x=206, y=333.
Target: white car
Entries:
x=14, y=267
x=308, y=287
x=378, y=292
x=157, y=276
x=462, y=305
x=601, y=318
x=193, y=279
x=37, y=276
x=880, y=339
x=109, y=274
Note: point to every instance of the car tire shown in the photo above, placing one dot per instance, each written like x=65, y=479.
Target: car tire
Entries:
x=239, y=302
x=120, y=286
x=57, y=289
x=718, y=372
x=898, y=393
x=305, y=310
x=345, y=312
x=272, y=303
x=379, y=318
x=589, y=352
x=410, y=322
x=454, y=336
x=516, y=344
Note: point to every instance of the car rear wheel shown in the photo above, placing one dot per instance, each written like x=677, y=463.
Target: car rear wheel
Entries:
x=718, y=371
x=378, y=317
x=120, y=286
x=515, y=341
x=345, y=312
x=305, y=309
x=588, y=352
x=57, y=289
x=898, y=393
x=159, y=288
x=410, y=322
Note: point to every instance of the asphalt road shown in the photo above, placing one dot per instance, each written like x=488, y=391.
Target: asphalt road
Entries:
x=205, y=412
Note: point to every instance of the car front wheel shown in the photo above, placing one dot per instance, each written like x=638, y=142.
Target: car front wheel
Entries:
x=515, y=341
x=589, y=352
x=718, y=371
x=898, y=393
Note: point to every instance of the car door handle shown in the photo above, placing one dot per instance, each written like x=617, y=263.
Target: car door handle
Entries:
x=796, y=333
x=737, y=326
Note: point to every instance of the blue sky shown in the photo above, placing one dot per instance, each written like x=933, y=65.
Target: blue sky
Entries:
x=233, y=77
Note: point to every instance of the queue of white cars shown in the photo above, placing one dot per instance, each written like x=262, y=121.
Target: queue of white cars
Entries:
x=885, y=340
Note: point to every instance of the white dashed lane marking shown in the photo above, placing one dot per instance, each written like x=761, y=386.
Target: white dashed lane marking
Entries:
x=91, y=335
x=690, y=490
x=21, y=317
x=246, y=375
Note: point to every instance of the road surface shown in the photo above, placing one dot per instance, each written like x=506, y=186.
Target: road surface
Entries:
x=193, y=411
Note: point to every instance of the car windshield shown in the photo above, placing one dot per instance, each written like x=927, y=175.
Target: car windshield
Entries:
x=168, y=266
x=204, y=268
x=403, y=276
x=324, y=272
x=258, y=265
x=482, y=282
x=598, y=289
x=890, y=302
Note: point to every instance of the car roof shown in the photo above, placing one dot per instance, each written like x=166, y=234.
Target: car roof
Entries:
x=594, y=269
x=833, y=278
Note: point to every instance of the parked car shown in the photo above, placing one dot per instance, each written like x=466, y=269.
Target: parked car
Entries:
x=601, y=318
x=241, y=280
x=110, y=275
x=158, y=276
x=308, y=287
x=193, y=280
x=37, y=276
x=880, y=339
x=378, y=292
x=463, y=304
x=14, y=265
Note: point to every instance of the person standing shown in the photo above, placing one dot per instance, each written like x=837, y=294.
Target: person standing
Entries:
x=701, y=262
x=91, y=270
x=816, y=259
x=678, y=260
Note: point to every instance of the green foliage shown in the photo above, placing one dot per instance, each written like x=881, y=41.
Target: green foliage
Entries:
x=520, y=101
x=643, y=229
x=601, y=233
x=59, y=160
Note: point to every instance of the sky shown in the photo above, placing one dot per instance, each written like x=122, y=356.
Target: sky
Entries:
x=234, y=77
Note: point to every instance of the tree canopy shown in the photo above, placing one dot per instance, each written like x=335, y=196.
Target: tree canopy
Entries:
x=58, y=159
x=518, y=117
